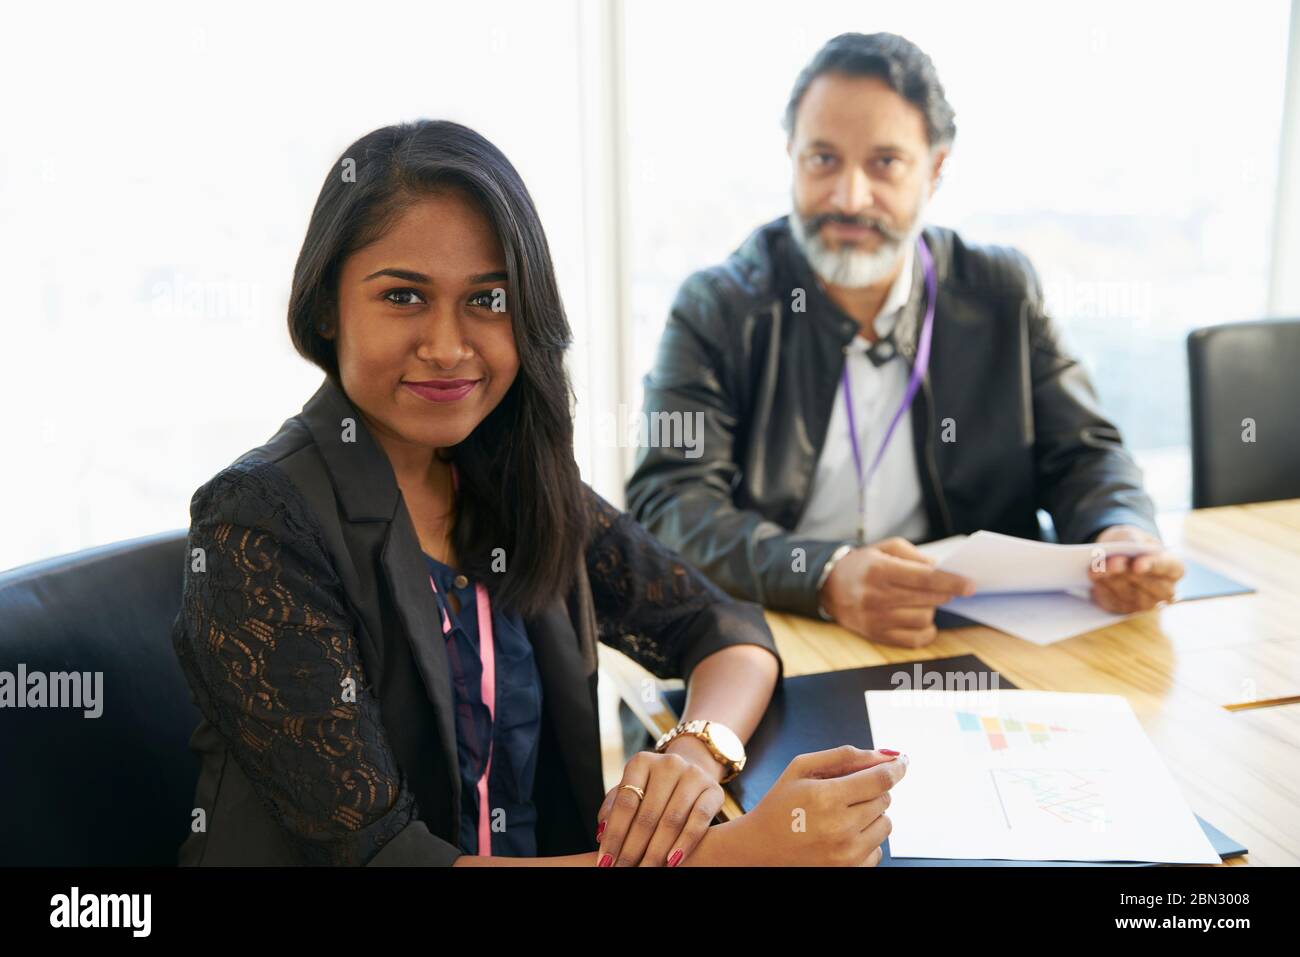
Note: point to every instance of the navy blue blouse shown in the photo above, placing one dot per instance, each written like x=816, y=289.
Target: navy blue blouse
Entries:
x=514, y=733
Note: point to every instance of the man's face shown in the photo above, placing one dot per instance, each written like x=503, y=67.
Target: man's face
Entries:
x=863, y=172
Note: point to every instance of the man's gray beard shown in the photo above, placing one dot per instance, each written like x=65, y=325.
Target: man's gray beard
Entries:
x=854, y=268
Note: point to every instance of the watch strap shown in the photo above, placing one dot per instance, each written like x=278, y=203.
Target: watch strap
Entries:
x=699, y=727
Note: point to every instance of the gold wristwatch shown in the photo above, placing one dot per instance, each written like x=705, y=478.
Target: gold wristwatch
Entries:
x=720, y=740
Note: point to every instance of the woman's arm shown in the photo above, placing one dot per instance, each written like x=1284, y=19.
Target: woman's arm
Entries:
x=668, y=617
x=731, y=686
x=673, y=621
x=266, y=643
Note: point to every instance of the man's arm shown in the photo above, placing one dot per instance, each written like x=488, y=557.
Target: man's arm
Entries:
x=684, y=494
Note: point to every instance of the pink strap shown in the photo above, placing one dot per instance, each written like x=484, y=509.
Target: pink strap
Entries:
x=488, y=691
x=487, y=654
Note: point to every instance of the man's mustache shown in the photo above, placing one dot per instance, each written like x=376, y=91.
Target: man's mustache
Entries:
x=814, y=224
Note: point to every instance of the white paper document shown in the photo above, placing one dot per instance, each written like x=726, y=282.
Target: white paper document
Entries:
x=1003, y=563
x=1039, y=617
x=1030, y=776
x=1038, y=591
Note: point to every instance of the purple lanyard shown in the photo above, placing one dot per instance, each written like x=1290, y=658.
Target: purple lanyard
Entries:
x=913, y=383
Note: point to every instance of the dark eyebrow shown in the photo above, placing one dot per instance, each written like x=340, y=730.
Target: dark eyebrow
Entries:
x=408, y=275
x=404, y=274
x=877, y=150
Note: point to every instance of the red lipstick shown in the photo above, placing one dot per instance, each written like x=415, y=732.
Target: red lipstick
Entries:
x=443, y=390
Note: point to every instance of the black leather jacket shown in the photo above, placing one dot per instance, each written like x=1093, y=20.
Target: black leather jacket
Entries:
x=764, y=377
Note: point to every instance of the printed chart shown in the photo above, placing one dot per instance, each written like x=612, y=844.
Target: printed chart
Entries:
x=1030, y=775
x=1065, y=796
x=1002, y=733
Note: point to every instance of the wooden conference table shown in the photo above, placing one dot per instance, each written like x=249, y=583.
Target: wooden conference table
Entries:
x=1203, y=676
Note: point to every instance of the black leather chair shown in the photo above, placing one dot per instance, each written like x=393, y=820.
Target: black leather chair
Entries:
x=117, y=789
x=1239, y=371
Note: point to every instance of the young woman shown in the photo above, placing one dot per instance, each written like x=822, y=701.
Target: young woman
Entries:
x=391, y=610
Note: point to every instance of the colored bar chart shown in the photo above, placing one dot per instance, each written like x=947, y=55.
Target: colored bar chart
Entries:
x=1003, y=733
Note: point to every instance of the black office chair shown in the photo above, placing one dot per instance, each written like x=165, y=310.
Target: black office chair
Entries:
x=117, y=789
x=1244, y=375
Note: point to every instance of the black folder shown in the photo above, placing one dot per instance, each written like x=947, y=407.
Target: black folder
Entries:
x=816, y=712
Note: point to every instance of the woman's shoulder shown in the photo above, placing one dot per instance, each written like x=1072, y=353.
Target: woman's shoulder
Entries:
x=253, y=516
x=263, y=485
x=600, y=514
x=609, y=528
x=622, y=549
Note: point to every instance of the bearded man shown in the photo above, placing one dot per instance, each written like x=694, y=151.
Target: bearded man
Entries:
x=867, y=382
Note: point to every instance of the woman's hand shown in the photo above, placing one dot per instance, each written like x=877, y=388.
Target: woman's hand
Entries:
x=827, y=808
x=681, y=799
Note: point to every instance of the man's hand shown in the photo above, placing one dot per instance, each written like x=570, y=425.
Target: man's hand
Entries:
x=888, y=592
x=1140, y=583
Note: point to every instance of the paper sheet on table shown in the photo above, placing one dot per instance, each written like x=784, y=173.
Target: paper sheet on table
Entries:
x=1041, y=617
x=1032, y=776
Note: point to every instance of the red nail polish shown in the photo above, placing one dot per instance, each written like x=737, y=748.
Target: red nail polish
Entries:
x=605, y=861
x=675, y=858
x=892, y=754
x=600, y=830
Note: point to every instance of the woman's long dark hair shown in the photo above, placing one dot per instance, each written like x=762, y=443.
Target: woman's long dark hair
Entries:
x=520, y=490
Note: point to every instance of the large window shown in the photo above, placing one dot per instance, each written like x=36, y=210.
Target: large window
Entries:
x=156, y=178
x=155, y=189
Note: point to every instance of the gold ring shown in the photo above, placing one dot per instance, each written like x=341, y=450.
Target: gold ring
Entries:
x=632, y=787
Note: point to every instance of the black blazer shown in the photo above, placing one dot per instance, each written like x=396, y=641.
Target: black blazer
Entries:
x=311, y=642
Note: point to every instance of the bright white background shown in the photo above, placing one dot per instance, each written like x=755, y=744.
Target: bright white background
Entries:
x=158, y=172
x=158, y=167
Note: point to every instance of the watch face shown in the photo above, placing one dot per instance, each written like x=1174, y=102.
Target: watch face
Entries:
x=725, y=740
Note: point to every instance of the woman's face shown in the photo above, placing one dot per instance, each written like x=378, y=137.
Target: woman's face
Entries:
x=425, y=344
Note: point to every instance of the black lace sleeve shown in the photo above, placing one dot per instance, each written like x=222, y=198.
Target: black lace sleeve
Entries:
x=266, y=643
x=654, y=607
